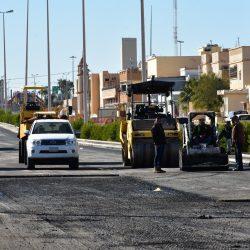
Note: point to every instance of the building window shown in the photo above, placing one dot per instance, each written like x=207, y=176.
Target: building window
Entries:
x=233, y=72
x=124, y=87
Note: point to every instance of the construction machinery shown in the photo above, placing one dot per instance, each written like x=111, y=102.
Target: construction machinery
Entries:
x=33, y=108
x=135, y=130
x=200, y=145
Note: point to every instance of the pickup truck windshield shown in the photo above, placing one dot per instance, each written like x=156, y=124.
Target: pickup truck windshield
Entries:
x=52, y=128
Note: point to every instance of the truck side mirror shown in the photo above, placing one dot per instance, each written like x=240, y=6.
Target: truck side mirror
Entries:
x=182, y=120
x=27, y=132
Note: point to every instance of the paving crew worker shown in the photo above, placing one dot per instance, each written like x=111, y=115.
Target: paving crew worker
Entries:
x=227, y=134
x=159, y=139
x=238, y=138
x=202, y=133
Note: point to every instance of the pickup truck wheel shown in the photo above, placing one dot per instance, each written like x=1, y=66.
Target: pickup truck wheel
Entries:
x=74, y=164
x=30, y=164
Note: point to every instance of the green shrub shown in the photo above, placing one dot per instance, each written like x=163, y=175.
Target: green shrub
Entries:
x=107, y=132
x=246, y=147
x=77, y=124
x=9, y=117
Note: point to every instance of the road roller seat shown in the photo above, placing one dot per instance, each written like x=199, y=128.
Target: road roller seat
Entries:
x=140, y=111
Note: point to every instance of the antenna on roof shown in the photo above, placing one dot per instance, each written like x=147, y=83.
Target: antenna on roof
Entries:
x=175, y=13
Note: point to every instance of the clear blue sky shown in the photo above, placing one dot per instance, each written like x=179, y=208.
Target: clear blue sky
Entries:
x=107, y=22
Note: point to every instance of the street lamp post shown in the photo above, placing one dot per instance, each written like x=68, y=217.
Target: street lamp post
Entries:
x=73, y=71
x=84, y=67
x=143, y=48
x=180, y=42
x=48, y=52
x=27, y=45
x=4, y=56
x=34, y=78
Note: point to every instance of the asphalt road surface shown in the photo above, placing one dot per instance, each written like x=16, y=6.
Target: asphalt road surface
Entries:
x=104, y=206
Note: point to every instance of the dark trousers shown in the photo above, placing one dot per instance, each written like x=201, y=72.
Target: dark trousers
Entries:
x=159, y=150
x=238, y=156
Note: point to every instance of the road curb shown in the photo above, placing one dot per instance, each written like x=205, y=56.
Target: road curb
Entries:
x=9, y=127
x=99, y=144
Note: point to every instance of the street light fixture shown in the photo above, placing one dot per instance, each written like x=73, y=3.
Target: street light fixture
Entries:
x=180, y=42
x=4, y=55
x=73, y=70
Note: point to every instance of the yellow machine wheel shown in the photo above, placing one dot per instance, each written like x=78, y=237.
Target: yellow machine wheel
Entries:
x=143, y=153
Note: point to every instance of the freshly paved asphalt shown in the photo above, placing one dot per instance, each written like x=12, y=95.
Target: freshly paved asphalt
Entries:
x=106, y=206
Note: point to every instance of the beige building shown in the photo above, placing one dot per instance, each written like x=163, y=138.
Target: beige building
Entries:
x=109, y=86
x=237, y=98
x=169, y=66
x=94, y=95
x=215, y=60
x=127, y=77
x=239, y=67
x=206, y=57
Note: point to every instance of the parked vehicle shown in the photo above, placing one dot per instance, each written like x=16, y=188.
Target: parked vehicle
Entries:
x=200, y=146
x=52, y=141
x=244, y=118
x=239, y=112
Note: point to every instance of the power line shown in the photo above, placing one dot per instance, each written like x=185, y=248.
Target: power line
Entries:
x=40, y=76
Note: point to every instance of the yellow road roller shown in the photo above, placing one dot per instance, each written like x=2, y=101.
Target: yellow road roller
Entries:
x=135, y=130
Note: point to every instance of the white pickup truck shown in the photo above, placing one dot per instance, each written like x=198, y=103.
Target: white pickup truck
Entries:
x=53, y=142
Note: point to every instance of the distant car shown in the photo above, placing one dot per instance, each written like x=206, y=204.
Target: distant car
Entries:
x=239, y=112
x=244, y=118
x=52, y=141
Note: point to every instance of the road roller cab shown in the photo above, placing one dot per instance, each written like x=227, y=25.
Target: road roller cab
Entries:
x=135, y=131
x=200, y=147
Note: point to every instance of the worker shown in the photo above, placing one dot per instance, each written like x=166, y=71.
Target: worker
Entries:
x=159, y=139
x=227, y=134
x=202, y=133
x=238, y=138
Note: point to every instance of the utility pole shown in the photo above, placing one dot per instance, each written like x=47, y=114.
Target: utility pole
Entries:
x=48, y=52
x=27, y=46
x=73, y=72
x=143, y=60
x=143, y=48
x=84, y=67
x=4, y=56
x=151, y=32
x=175, y=16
